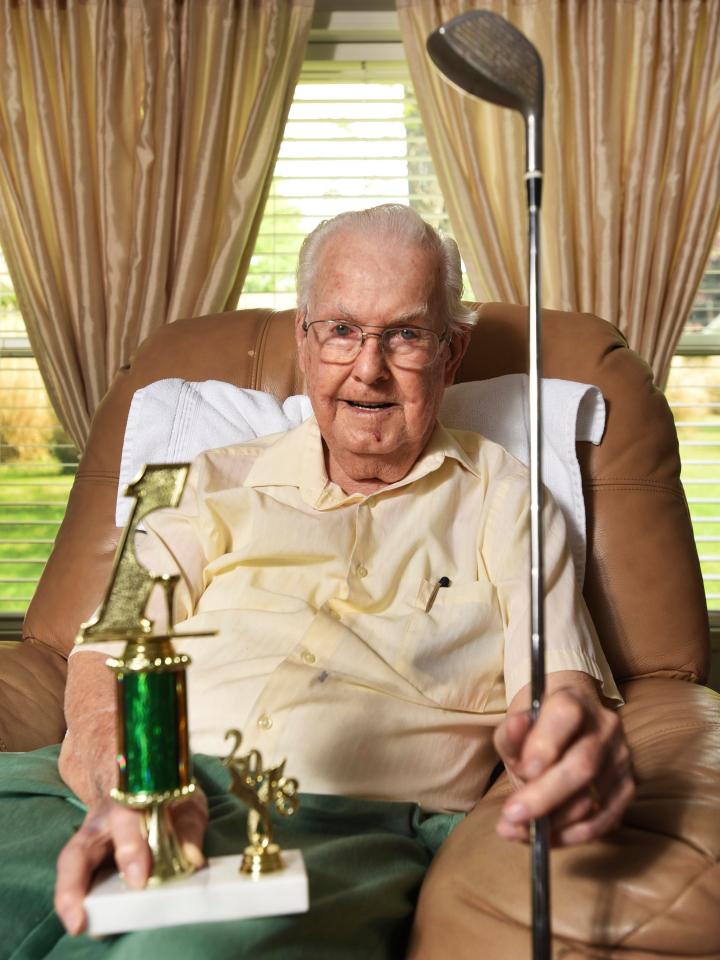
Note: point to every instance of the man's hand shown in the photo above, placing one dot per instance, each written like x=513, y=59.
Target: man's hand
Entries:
x=88, y=766
x=573, y=764
x=111, y=829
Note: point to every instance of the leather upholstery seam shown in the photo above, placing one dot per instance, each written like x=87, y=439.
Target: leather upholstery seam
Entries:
x=656, y=735
x=103, y=477
x=644, y=481
x=630, y=482
x=634, y=488
x=259, y=352
x=668, y=906
x=30, y=637
x=681, y=674
x=565, y=943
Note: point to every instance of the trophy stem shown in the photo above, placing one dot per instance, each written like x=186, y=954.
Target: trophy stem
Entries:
x=168, y=859
x=262, y=855
x=261, y=860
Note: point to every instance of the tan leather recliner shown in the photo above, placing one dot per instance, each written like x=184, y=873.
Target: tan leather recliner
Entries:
x=650, y=890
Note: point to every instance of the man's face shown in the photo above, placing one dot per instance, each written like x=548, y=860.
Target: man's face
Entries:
x=375, y=282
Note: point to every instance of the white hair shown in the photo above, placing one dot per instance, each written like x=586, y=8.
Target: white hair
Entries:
x=400, y=223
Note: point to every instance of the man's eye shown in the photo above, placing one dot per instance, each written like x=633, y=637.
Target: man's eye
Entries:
x=405, y=335
x=340, y=330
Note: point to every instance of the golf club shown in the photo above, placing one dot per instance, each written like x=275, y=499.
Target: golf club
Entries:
x=488, y=57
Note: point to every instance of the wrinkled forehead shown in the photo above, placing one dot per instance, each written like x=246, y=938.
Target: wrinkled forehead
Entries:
x=359, y=271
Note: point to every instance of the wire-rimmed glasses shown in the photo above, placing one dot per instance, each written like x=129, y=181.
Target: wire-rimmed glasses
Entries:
x=339, y=341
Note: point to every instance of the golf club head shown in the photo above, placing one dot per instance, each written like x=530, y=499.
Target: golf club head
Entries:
x=486, y=56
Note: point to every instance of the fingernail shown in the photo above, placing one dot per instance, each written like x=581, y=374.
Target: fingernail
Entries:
x=516, y=812
x=193, y=853
x=74, y=921
x=134, y=876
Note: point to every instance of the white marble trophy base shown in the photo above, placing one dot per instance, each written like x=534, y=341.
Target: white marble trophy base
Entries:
x=217, y=892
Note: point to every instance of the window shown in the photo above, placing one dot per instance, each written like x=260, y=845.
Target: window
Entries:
x=693, y=391
x=37, y=461
x=353, y=139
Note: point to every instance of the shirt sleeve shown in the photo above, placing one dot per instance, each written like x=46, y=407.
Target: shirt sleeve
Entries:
x=571, y=642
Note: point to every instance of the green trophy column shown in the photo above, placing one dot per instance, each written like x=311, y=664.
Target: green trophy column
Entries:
x=154, y=752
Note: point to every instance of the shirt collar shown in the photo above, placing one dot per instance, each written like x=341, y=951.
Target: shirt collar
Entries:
x=297, y=459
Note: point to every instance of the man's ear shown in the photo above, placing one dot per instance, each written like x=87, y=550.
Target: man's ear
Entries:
x=300, y=338
x=459, y=342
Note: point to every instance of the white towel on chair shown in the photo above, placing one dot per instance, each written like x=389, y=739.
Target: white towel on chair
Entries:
x=498, y=409
x=172, y=421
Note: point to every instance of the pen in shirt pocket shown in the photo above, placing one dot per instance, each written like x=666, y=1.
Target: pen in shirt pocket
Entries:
x=442, y=582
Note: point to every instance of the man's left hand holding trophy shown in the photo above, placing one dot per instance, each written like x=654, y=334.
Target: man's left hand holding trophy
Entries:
x=154, y=770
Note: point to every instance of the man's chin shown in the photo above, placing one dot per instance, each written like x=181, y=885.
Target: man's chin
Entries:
x=370, y=439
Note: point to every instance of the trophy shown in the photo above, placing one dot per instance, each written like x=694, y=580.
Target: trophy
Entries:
x=153, y=759
x=260, y=789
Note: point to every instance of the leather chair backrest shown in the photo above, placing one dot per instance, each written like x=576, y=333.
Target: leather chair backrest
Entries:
x=643, y=583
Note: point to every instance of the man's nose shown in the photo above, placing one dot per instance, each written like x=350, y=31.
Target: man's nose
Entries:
x=371, y=364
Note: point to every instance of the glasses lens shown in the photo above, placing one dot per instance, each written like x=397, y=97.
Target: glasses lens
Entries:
x=338, y=342
x=410, y=346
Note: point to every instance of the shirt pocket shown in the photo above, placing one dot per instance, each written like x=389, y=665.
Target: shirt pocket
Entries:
x=453, y=645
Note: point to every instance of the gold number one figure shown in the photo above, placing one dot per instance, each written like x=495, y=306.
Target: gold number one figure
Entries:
x=153, y=754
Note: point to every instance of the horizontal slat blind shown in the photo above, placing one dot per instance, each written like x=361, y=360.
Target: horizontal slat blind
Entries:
x=693, y=392
x=37, y=461
x=353, y=139
x=704, y=316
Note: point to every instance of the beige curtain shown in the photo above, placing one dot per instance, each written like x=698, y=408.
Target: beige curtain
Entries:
x=137, y=144
x=632, y=158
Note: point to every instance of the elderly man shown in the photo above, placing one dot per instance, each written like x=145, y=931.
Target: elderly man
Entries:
x=367, y=573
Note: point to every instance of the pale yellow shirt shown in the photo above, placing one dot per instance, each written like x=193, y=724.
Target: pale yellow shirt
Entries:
x=331, y=650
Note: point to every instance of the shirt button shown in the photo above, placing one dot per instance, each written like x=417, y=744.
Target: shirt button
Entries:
x=361, y=571
x=264, y=721
x=307, y=656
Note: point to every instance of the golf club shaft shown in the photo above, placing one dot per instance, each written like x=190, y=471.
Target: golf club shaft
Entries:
x=489, y=58
x=540, y=828
x=541, y=938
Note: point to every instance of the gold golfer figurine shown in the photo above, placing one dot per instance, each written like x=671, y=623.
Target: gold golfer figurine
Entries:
x=260, y=790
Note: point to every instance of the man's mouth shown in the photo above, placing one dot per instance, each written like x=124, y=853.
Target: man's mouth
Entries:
x=367, y=405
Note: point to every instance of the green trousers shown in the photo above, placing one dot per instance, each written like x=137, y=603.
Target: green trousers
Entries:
x=365, y=860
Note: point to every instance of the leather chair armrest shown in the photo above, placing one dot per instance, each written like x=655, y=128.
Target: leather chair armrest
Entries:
x=649, y=889
x=674, y=732
x=32, y=684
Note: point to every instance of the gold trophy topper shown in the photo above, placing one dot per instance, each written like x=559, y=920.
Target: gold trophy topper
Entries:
x=121, y=615
x=260, y=790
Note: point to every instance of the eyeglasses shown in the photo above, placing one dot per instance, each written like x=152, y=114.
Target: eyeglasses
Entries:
x=411, y=348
